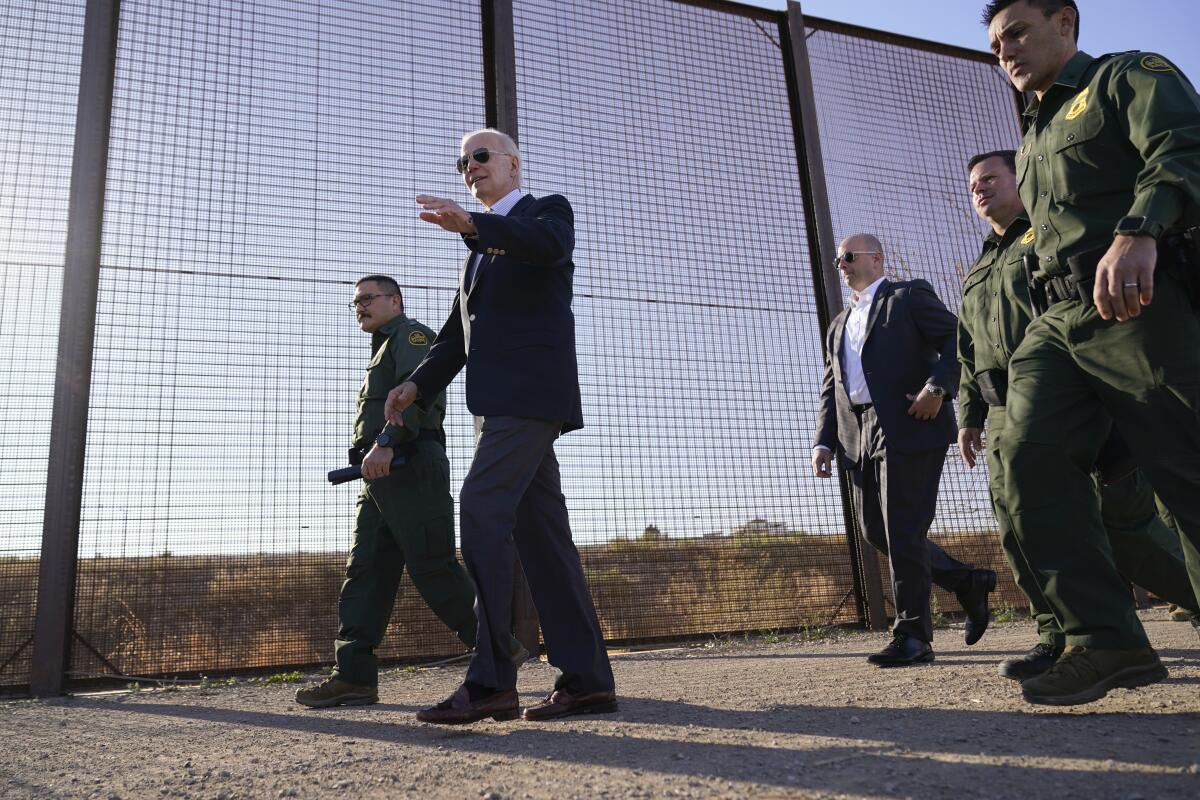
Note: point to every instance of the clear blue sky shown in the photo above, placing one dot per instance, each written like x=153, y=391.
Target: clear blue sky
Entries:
x=1169, y=27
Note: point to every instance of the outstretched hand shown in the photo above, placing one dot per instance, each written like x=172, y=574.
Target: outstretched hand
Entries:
x=445, y=213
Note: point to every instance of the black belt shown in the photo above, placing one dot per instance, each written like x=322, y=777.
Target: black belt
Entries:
x=359, y=450
x=1174, y=251
x=860, y=409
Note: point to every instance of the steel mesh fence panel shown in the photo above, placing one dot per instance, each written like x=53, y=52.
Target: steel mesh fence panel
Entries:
x=264, y=155
x=668, y=127
x=39, y=86
x=898, y=125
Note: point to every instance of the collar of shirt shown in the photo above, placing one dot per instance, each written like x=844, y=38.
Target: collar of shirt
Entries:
x=1070, y=76
x=505, y=204
x=864, y=298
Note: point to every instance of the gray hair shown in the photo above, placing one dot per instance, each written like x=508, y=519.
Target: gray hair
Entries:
x=509, y=143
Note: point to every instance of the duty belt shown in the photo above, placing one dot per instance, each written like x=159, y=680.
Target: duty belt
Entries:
x=359, y=451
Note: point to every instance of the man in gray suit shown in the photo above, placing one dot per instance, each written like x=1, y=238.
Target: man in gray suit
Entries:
x=512, y=329
x=890, y=363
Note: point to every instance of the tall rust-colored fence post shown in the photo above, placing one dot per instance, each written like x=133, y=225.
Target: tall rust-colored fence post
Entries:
x=76, y=335
x=822, y=248
x=500, y=98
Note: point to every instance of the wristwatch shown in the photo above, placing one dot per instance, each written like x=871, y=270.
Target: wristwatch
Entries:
x=384, y=440
x=1138, y=226
x=935, y=390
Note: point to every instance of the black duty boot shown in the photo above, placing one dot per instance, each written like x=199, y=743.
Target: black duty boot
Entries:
x=1035, y=662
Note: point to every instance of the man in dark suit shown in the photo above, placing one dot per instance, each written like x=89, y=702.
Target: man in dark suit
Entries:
x=890, y=362
x=512, y=328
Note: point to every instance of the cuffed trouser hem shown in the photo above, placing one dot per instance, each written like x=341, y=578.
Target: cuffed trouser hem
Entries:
x=1057, y=640
x=1107, y=642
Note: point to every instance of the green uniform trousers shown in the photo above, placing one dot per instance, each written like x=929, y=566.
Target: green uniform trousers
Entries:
x=1145, y=550
x=405, y=518
x=1071, y=375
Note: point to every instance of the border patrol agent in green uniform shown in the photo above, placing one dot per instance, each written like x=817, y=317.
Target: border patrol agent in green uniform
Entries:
x=1109, y=171
x=405, y=515
x=996, y=309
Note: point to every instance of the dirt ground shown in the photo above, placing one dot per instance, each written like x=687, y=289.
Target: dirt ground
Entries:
x=755, y=717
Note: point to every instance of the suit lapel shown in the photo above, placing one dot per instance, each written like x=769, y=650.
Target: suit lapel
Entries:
x=881, y=294
x=481, y=270
x=837, y=335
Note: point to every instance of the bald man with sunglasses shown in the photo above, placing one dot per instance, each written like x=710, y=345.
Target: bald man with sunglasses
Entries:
x=890, y=362
x=512, y=329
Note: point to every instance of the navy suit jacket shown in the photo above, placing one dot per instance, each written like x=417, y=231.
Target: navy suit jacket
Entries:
x=911, y=341
x=513, y=329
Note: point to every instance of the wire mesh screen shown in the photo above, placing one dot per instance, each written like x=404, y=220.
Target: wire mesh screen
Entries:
x=264, y=155
x=897, y=127
x=39, y=84
x=668, y=127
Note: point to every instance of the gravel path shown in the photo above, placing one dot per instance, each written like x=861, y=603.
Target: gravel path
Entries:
x=745, y=718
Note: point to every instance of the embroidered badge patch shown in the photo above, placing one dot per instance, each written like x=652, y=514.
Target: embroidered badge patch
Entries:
x=1028, y=237
x=1156, y=64
x=418, y=338
x=1080, y=104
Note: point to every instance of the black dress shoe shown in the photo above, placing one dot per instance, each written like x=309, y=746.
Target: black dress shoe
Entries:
x=902, y=651
x=974, y=599
x=1035, y=662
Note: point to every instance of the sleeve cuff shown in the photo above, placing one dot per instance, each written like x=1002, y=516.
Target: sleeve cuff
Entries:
x=1161, y=205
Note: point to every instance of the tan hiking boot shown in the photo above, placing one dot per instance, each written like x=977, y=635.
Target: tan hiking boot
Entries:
x=1084, y=674
x=336, y=692
x=1177, y=614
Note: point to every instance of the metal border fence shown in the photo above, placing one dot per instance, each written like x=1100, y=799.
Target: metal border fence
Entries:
x=611, y=101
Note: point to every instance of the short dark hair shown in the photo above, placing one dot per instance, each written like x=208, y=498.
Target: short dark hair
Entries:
x=1008, y=156
x=388, y=283
x=1048, y=7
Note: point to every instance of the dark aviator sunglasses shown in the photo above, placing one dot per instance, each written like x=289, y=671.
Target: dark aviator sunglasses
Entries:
x=480, y=154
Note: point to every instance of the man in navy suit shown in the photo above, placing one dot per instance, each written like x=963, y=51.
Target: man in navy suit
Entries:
x=512, y=328
x=890, y=362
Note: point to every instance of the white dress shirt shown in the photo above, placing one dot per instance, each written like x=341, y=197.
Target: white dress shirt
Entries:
x=853, y=338
x=852, y=343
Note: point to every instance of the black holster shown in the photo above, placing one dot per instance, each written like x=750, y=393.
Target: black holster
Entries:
x=1179, y=255
x=1037, y=291
x=1115, y=461
x=993, y=386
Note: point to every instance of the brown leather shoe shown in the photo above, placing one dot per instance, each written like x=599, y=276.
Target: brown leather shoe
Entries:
x=564, y=704
x=458, y=709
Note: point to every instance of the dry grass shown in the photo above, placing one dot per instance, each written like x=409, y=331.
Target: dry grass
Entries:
x=167, y=614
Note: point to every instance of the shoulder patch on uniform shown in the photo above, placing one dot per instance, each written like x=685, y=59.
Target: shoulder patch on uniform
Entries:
x=1028, y=237
x=1079, y=104
x=1156, y=64
x=418, y=338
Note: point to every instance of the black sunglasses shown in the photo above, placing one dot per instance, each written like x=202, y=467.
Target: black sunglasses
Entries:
x=480, y=154
x=848, y=256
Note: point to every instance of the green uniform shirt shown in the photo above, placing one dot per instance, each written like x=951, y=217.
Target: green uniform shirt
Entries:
x=995, y=312
x=1115, y=136
x=399, y=347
